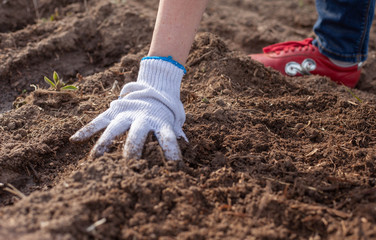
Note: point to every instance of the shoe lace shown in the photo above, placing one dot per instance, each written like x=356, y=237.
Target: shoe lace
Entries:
x=304, y=45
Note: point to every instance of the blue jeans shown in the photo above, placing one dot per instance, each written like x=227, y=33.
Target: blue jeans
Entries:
x=342, y=28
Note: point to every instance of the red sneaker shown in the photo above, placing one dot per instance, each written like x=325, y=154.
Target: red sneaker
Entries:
x=303, y=58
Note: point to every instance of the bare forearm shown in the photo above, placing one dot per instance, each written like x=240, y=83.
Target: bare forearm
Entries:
x=175, y=28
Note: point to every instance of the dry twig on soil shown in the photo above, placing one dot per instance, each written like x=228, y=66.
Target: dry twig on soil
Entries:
x=11, y=189
x=35, y=2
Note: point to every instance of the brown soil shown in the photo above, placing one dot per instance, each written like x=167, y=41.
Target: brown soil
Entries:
x=269, y=157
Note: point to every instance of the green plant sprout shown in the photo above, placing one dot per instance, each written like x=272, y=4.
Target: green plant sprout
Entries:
x=57, y=84
x=54, y=16
x=353, y=94
x=205, y=100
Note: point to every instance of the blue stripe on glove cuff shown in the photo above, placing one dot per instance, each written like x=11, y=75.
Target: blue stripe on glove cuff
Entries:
x=167, y=59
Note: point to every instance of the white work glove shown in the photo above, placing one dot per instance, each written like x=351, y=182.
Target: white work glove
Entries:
x=150, y=104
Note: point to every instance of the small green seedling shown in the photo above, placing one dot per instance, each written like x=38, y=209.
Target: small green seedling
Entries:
x=54, y=16
x=205, y=100
x=353, y=94
x=57, y=84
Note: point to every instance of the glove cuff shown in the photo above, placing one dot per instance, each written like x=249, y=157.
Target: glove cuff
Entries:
x=167, y=59
x=162, y=73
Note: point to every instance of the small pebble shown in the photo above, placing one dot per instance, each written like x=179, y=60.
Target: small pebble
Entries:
x=221, y=103
x=22, y=132
x=226, y=91
x=11, y=125
x=77, y=176
x=17, y=137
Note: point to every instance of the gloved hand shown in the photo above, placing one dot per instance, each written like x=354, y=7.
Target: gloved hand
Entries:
x=150, y=104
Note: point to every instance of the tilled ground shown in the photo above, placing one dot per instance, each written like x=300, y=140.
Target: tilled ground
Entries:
x=269, y=157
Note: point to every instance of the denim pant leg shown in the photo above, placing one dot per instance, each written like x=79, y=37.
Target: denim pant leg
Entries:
x=342, y=28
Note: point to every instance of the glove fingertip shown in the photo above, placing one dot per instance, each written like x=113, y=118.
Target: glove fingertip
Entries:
x=76, y=137
x=184, y=137
x=173, y=154
x=180, y=134
x=132, y=153
x=168, y=141
x=94, y=154
x=97, y=151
